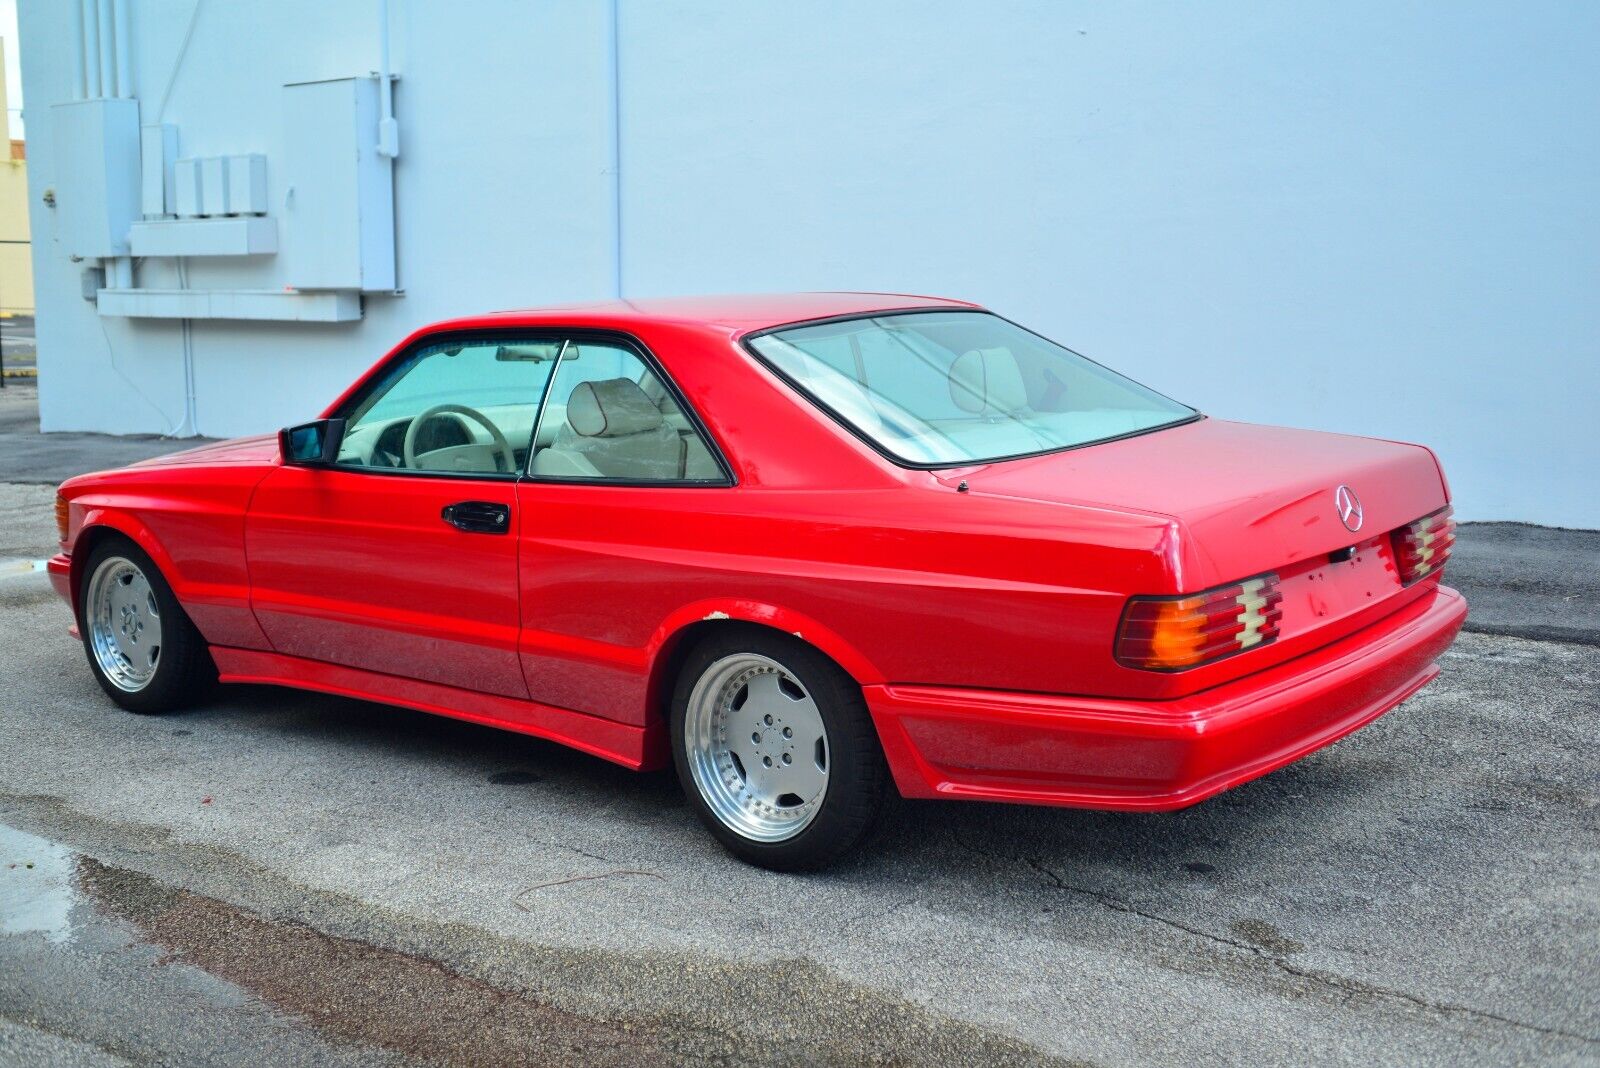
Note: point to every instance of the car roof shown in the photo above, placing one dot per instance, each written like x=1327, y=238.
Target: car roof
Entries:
x=736, y=313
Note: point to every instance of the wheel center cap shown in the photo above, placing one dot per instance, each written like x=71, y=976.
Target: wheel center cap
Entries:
x=774, y=742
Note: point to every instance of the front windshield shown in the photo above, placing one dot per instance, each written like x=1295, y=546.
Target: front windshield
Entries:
x=950, y=388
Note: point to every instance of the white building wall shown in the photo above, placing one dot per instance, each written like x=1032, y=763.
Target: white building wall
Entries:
x=1361, y=217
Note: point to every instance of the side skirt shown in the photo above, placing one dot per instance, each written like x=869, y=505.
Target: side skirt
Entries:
x=632, y=747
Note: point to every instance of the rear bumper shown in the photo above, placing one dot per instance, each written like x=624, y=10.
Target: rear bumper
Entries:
x=1151, y=755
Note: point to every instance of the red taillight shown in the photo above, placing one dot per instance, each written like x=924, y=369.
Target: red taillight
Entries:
x=1421, y=548
x=1173, y=633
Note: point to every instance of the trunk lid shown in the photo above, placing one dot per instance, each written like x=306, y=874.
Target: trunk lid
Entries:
x=1251, y=499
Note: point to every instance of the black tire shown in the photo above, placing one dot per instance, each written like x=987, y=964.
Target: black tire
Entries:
x=184, y=671
x=857, y=779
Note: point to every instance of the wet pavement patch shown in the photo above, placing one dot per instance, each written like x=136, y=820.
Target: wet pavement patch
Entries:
x=35, y=885
x=362, y=993
x=377, y=1000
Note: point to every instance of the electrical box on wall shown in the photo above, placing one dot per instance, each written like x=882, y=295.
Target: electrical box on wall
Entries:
x=247, y=184
x=338, y=214
x=187, y=183
x=215, y=186
x=159, y=150
x=98, y=176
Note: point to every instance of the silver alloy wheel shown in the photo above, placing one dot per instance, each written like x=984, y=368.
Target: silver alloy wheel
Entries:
x=124, y=621
x=757, y=747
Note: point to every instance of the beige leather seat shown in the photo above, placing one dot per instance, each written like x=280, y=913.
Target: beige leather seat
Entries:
x=661, y=397
x=698, y=463
x=613, y=430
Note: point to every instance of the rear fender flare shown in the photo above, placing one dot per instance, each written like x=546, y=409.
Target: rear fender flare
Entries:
x=852, y=660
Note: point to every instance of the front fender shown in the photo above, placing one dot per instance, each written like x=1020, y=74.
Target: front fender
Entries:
x=195, y=540
x=98, y=519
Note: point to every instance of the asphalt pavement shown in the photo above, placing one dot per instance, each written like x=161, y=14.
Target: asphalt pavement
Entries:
x=288, y=878
x=19, y=348
x=29, y=457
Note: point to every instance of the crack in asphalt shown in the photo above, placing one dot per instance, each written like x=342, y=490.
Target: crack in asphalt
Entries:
x=1350, y=988
x=583, y=879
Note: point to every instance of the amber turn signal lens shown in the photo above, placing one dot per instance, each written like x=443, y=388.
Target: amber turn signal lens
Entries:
x=1421, y=548
x=1173, y=633
x=61, y=518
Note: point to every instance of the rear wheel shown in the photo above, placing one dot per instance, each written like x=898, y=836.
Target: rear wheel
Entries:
x=142, y=647
x=775, y=749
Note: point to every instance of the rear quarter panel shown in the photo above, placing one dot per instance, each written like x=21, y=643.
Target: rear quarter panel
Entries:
x=896, y=584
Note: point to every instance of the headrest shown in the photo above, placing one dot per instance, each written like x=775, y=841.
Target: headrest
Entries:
x=987, y=382
x=611, y=409
x=657, y=394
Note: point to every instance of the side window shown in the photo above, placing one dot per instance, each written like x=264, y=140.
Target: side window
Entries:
x=466, y=407
x=610, y=417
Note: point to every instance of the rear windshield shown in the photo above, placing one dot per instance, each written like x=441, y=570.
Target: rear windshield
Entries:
x=952, y=388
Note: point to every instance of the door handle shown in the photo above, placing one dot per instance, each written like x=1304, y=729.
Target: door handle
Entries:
x=478, y=517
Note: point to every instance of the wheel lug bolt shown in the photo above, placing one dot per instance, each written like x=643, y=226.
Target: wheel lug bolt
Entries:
x=787, y=733
x=787, y=759
x=755, y=736
x=767, y=720
x=767, y=761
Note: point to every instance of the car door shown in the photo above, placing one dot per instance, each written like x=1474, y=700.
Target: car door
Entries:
x=401, y=556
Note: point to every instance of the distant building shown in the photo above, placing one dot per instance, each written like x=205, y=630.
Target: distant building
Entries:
x=16, y=260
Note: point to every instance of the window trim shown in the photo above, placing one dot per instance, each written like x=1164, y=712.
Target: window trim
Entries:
x=648, y=358
x=946, y=465
x=542, y=332
x=380, y=375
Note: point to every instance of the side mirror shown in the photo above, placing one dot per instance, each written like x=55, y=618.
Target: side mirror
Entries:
x=311, y=444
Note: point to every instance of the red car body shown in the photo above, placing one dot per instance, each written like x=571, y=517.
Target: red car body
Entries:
x=977, y=607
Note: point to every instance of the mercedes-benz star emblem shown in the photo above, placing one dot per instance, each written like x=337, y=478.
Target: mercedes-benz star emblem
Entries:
x=1348, y=505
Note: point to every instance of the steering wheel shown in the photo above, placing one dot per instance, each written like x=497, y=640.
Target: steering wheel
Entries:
x=472, y=457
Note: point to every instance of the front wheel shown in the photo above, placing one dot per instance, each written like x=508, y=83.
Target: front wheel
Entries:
x=142, y=647
x=775, y=750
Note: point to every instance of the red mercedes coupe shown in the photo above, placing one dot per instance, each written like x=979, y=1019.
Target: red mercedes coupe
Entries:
x=805, y=548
